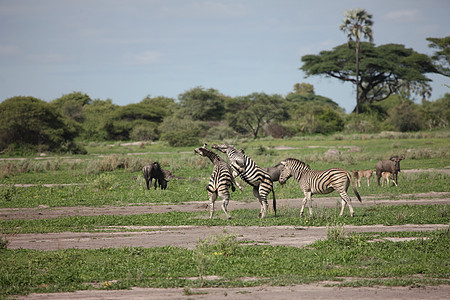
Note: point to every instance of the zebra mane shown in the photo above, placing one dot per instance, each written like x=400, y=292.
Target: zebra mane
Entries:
x=298, y=162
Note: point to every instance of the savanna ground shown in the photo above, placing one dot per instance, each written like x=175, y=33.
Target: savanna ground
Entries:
x=84, y=227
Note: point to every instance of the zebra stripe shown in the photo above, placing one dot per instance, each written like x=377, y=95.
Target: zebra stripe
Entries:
x=319, y=182
x=252, y=174
x=220, y=181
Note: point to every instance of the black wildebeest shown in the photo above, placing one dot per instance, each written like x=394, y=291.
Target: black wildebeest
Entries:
x=391, y=165
x=275, y=172
x=154, y=171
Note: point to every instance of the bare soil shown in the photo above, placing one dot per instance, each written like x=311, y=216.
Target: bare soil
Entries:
x=188, y=236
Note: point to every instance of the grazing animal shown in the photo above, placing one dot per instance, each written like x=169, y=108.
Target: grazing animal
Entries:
x=153, y=171
x=385, y=177
x=358, y=175
x=275, y=172
x=392, y=165
x=220, y=181
x=319, y=182
x=252, y=174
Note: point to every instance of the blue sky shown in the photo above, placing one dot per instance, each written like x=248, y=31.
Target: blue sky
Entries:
x=125, y=50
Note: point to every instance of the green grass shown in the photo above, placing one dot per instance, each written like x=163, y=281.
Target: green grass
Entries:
x=120, y=188
x=386, y=215
x=108, y=175
x=414, y=263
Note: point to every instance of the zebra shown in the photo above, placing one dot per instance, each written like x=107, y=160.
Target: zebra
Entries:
x=220, y=181
x=252, y=174
x=319, y=182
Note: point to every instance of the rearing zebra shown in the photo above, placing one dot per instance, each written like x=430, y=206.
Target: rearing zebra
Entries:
x=251, y=173
x=319, y=182
x=220, y=181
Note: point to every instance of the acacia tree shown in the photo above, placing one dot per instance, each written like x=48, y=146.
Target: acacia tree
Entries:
x=385, y=69
x=357, y=24
x=441, y=57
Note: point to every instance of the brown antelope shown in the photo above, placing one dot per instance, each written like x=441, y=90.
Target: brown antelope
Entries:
x=386, y=176
x=358, y=175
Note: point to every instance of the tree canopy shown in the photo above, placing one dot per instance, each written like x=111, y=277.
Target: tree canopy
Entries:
x=441, y=56
x=384, y=69
x=203, y=105
x=32, y=124
x=250, y=113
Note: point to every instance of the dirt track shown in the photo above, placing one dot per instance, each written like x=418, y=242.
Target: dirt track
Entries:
x=187, y=236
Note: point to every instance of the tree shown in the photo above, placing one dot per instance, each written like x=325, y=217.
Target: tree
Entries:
x=202, y=105
x=357, y=24
x=441, y=57
x=303, y=94
x=384, y=69
x=250, y=113
x=168, y=105
x=125, y=118
x=437, y=113
x=179, y=132
x=29, y=123
x=96, y=116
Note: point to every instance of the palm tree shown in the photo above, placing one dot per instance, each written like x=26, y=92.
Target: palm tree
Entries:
x=357, y=23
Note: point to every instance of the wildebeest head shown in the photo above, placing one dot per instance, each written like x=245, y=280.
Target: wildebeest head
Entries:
x=396, y=161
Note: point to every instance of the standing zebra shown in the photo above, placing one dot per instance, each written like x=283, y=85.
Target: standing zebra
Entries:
x=251, y=173
x=319, y=182
x=220, y=181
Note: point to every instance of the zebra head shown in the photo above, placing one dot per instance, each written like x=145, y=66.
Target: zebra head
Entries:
x=222, y=148
x=285, y=174
x=201, y=150
x=227, y=148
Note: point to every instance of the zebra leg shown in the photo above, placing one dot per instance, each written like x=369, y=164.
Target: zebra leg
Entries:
x=225, y=200
x=310, y=203
x=345, y=199
x=304, y=202
x=212, y=199
x=233, y=181
x=262, y=201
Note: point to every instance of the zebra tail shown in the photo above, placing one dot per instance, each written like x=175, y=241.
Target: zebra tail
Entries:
x=274, y=202
x=353, y=187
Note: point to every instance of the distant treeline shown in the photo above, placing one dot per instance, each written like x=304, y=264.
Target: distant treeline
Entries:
x=30, y=124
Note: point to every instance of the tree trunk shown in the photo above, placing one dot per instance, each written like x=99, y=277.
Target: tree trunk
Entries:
x=357, y=77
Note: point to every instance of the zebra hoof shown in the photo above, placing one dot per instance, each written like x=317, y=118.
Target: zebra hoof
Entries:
x=229, y=218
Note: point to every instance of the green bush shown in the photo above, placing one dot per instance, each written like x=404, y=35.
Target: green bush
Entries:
x=30, y=124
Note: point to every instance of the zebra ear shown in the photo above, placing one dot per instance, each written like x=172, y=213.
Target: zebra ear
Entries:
x=283, y=163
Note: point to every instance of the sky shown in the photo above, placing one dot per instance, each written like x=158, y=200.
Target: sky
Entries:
x=126, y=50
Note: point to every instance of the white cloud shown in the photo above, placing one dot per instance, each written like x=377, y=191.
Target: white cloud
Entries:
x=219, y=8
x=147, y=57
x=8, y=50
x=49, y=58
x=406, y=15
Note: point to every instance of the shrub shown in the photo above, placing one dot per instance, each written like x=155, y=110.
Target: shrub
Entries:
x=143, y=133
x=406, y=117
